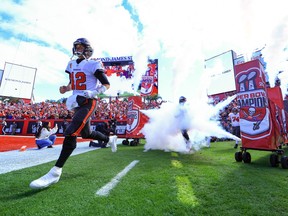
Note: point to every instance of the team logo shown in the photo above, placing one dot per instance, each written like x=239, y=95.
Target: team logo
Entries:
x=132, y=116
x=253, y=102
x=147, y=85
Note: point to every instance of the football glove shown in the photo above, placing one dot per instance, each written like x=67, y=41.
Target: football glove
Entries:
x=94, y=93
x=101, y=89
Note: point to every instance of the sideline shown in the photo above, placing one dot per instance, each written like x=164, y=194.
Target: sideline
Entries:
x=15, y=160
x=104, y=191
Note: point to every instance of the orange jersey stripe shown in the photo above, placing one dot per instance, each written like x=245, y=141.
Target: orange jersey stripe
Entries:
x=77, y=132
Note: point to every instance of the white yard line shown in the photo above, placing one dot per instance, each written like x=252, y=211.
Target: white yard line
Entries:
x=15, y=160
x=104, y=191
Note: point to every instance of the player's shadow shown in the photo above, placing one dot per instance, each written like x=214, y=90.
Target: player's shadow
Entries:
x=22, y=195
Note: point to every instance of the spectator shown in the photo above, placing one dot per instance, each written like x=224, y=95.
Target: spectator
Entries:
x=13, y=128
x=235, y=123
x=112, y=125
x=103, y=128
x=46, y=136
x=38, y=125
x=4, y=125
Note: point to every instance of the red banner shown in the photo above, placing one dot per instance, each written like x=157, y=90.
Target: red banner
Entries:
x=275, y=94
x=135, y=119
x=261, y=119
x=149, y=82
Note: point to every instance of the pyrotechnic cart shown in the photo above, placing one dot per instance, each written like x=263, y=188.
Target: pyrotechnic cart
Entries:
x=273, y=130
x=262, y=116
x=276, y=158
x=133, y=142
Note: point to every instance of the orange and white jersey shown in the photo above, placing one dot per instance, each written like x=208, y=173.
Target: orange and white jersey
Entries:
x=82, y=75
x=235, y=119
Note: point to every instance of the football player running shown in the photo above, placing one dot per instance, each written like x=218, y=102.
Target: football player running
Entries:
x=87, y=79
x=183, y=120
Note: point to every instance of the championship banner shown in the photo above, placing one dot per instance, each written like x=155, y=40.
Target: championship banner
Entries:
x=135, y=119
x=149, y=82
x=255, y=117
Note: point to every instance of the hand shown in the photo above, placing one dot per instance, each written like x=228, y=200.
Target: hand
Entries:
x=90, y=94
x=93, y=94
x=62, y=89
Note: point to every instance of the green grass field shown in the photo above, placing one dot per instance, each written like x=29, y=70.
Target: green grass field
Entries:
x=209, y=182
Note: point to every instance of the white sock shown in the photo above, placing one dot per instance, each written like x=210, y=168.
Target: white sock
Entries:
x=58, y=169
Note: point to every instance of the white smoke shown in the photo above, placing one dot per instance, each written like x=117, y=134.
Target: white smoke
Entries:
x=163, y=131
x=120, y=85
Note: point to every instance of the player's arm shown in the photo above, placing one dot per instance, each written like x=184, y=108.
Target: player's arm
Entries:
x=100, y=75
x=66, y=88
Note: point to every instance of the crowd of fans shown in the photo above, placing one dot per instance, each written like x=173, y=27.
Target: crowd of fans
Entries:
x=224, y=115
x=43, y=110
x=114, y=108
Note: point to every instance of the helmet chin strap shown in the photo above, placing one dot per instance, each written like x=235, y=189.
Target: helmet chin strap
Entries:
x=78, y=54
x=81, y=54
